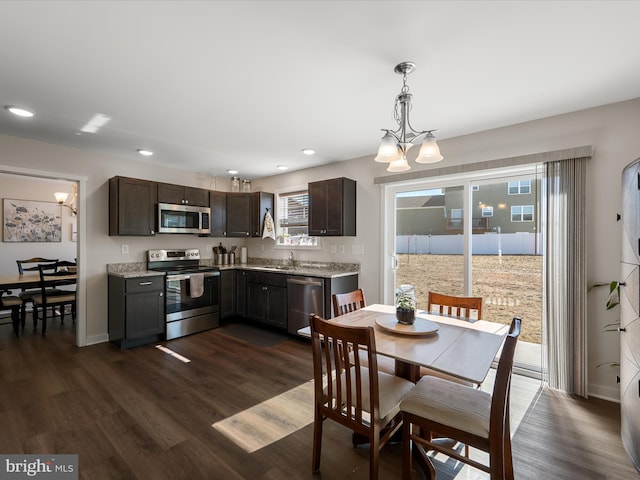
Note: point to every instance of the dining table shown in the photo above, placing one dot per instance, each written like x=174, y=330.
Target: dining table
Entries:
x=456, y=346
x=32, y=280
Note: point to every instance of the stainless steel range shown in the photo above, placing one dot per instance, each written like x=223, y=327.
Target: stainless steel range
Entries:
x=192, y=291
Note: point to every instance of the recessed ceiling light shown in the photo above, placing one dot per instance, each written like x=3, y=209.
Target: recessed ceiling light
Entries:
x=232, y=171
x=146, y=153
x=308, y=151
x=282, y=167
x=20, y=112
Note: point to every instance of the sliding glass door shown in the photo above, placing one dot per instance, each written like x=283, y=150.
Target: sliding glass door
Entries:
x=475, y=236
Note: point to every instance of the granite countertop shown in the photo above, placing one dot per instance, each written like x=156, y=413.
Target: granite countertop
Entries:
x=306, y=269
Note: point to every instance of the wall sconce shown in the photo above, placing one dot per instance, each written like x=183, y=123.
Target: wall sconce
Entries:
x=61, y=198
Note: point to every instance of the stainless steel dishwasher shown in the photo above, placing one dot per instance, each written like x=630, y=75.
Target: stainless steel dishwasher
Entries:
x=305, y=295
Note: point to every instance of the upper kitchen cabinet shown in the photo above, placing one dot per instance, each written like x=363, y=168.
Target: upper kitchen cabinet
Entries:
x=132, y=206
x=178, y=194
x=332, y=207
x=260, y=203
x=245, y=213
x=238, y=215
x=218, y=205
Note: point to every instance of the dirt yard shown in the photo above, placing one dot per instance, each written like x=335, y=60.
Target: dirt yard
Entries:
x=510, y=285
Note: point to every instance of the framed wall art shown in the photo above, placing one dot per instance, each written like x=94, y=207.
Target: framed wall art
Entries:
x=31, y=221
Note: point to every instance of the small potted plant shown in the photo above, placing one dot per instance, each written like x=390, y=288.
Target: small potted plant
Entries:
x=406, y=304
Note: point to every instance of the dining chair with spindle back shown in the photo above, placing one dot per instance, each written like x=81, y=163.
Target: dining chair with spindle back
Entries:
x=53, y=275
x=465, y=414
x=347, y=302
x=350, y=302
x=345, y=391
x=469, y=308
x=26, y=294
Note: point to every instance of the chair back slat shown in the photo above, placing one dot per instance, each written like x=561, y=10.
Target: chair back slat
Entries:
x=31, y=264
x=51, y=275
x=463, y=307
x=347, y=302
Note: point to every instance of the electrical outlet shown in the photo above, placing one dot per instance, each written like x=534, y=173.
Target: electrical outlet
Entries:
x=332, y=249
x=357, y=249
x=124, y=249
x=209, y=248
x=341, y=248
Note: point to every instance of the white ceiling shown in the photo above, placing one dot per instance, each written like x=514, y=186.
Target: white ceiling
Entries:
x=216, y=85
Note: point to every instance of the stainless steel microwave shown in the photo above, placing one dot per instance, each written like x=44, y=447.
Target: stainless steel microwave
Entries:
x=173, y=218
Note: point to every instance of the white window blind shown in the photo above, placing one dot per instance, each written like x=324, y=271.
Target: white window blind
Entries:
x=294, y=210
x=293, y=219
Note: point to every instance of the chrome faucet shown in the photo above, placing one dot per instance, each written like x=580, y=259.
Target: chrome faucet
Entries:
x=291, y=258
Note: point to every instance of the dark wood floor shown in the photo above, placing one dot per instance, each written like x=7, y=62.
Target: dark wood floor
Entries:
x=142, y=414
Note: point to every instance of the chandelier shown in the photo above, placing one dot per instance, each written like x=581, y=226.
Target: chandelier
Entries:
x=396, y=143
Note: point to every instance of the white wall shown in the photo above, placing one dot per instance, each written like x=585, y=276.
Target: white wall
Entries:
x=612, y=130
x=19, y=187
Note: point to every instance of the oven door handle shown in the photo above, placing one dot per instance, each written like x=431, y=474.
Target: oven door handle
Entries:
x=187, y=276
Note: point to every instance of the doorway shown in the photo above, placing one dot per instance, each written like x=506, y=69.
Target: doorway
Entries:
x=73, y=228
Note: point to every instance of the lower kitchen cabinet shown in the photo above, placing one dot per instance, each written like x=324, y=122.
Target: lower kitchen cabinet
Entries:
x=228, y=293
x=267, y=298
x=241, y=293
x=280, y=300
x=136, y=310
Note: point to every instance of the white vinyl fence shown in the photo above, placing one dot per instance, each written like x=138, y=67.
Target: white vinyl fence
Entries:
x=482, y=244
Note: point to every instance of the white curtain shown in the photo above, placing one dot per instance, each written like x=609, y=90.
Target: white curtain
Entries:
x=565, y=290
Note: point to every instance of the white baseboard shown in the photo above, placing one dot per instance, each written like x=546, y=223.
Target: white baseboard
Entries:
x=95, y=339
x=605, y=393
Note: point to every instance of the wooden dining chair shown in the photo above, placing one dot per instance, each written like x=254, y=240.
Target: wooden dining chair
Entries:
x=51, y=275
x=463, y=307
x=26, y=294
x=469, y=308
x=465, y=414
x=360, y=398
x=347, y=302
x=350, y=302
x=12, y=303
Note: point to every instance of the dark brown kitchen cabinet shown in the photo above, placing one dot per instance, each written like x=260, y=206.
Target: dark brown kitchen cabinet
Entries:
x=132, y=204
x=136, y=310
x=245, y=213
x=332, y=207
x=238, y=215
x=260, y=203
x=228, y=295
x=241, y=293
x=218, y=205
x=178, y=194
x=267, y=298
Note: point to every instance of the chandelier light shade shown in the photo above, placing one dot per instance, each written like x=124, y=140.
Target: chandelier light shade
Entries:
x=396, y=143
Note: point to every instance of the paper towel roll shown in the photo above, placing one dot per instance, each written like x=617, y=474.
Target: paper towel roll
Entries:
x=243, y=254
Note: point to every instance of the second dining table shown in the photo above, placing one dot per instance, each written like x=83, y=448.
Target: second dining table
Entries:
x=459, y=347
x=32, y=280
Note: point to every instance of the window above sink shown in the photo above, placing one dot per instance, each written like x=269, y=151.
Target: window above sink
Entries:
x=292, y=220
